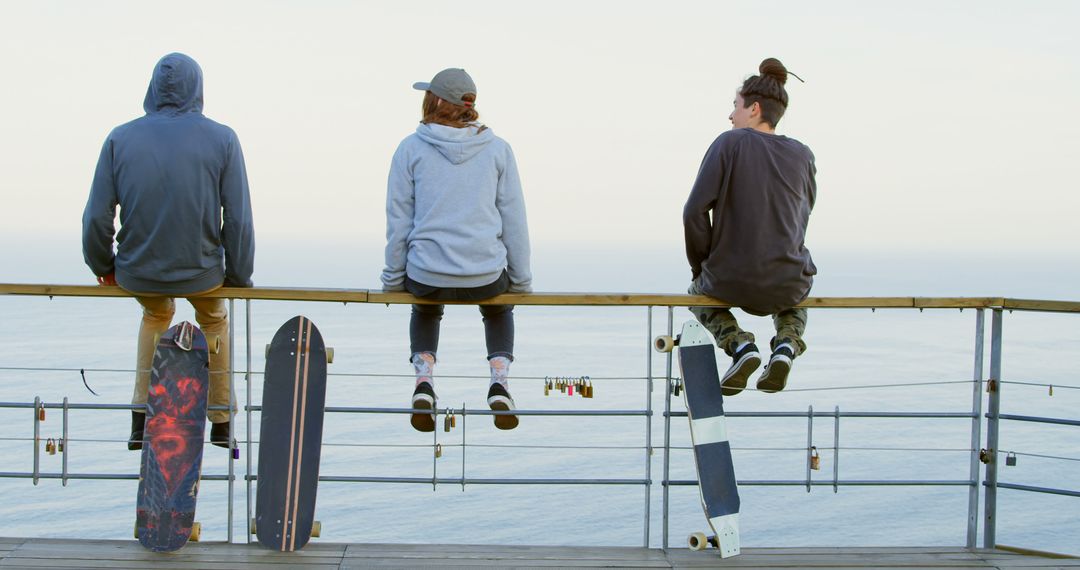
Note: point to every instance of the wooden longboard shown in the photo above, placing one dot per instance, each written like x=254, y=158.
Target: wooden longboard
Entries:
x=173, y=440
x=708, y=431
x=290, y=439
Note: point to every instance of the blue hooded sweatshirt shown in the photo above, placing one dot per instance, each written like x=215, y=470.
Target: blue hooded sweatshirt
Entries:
x=180, y=181
x=455, y=212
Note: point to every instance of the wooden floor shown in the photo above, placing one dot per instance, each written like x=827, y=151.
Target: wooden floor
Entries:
x=117, y=554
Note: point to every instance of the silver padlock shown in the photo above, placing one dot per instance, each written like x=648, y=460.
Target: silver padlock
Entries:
x=1010, y=459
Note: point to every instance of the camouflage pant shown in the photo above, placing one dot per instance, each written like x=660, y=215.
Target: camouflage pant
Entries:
x=790, y=325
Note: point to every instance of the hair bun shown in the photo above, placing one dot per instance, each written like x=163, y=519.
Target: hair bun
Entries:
x=773, y=68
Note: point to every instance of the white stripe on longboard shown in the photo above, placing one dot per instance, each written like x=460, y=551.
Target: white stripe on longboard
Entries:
x=292, y=436
x=709, y=430
x=300, y=451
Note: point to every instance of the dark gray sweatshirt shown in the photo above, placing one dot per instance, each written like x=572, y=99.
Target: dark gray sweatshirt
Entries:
x=745, y=221
x=179, y=179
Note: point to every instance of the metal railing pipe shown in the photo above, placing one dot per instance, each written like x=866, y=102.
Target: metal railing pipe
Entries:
x=994, y=408
x=976, y=432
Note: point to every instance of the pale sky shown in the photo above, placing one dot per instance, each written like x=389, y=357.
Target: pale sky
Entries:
x=937, y=126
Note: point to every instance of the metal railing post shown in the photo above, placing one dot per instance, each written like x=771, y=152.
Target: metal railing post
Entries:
x=232, y=404
x=667, y=425
x=648, y=424
x=994, y=386
x=247, y=382
x=976, y=431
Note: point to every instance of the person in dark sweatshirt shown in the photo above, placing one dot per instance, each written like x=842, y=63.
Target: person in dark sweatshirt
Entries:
x=185, y=222
x=456, y=231
x=745, y=223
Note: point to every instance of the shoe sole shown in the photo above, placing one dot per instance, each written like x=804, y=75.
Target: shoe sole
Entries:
x=423, y=422
x=734, y=380
x=774, y=379
x=501, y=404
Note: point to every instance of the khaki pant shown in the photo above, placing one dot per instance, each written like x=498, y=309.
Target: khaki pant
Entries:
x=790, y=325
x=213, y=319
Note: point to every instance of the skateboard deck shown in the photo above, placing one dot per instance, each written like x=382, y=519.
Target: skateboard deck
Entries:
x=708, y=431
x=290, y=437
x=173, y=435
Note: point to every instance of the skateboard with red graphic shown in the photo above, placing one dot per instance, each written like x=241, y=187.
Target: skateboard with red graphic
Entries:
x=290, y=436
x=173, y=440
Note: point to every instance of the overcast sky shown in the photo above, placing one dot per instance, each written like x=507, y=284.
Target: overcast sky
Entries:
x=937, y=126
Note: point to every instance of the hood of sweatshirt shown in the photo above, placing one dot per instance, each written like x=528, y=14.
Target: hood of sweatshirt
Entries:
x=457, y=145
x=176, y=87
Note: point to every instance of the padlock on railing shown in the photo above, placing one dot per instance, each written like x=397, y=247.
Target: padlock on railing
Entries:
x=50, y=446
x=547, y=386
x=453, y=421
x=815, y=459
x=1010, y=459
x=438, y=450
x=41, y=412
x=446, y=421
x=60, y=445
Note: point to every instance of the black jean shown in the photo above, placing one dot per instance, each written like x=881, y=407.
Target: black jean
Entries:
x=498, y=319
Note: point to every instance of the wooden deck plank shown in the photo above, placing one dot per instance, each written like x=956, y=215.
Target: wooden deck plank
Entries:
x=125, y=554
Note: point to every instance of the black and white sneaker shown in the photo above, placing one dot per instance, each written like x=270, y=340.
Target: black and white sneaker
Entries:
x=774, y=377
x=499, y=400
x=743, y=364
x=423, y=398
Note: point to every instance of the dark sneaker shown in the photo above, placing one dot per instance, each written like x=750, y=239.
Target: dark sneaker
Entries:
x=774, y=377
x=423, y=398
x=219, y=434
x=743, y=364
x=499, y=400
x=138, y=422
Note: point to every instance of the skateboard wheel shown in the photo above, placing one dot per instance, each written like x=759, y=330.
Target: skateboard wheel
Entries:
x=196, y=530
x=697, y=541
x=664, y=343
x=252, y=526
x=329, y=355
x=316, y=529
x=136, y=530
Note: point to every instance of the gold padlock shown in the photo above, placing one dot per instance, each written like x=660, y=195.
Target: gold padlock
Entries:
x=815, y=459
x=50, y=446
x=588, y=390
x=41, y=412
x=453, y=421
x=438, y=450
x=60, y=445
x=446, y=421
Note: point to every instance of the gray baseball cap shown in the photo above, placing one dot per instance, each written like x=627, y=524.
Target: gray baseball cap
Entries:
x=450, y=85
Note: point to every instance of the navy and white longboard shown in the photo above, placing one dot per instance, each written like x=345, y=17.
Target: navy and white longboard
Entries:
x=708, y=432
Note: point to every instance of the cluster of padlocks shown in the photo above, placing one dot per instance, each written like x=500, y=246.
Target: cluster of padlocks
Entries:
x=52, y=446
x=568, y=385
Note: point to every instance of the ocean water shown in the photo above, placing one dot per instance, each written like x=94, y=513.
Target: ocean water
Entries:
x=859, y=360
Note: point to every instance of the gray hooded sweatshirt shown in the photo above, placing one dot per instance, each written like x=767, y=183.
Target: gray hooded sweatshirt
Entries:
x=180, y=181
x=455, y=213
x=745, y=221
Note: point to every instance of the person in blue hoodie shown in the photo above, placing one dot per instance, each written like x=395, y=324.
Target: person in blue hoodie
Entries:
x=456, y=231
x=185, y=223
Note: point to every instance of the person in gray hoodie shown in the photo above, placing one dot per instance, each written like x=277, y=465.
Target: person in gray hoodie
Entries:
x=745, y=224
x=456, y=231
x=185, y=223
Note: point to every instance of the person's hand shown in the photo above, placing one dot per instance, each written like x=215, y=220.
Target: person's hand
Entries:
x=109, y=279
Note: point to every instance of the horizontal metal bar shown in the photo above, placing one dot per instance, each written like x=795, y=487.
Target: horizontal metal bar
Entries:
x=1035, y=489
x=76, y=406
x=1039, y=420
x=940, y=415
x=93, y=476
x=830, y=483
x=477, y=481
